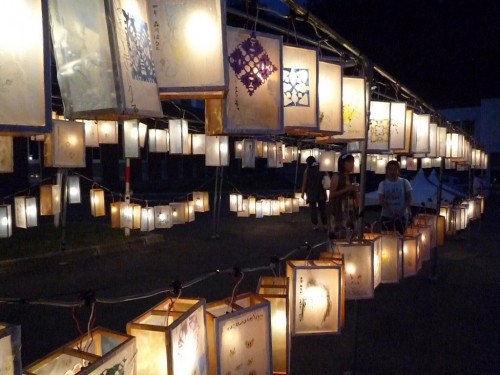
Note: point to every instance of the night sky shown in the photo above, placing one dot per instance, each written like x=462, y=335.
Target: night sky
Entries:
x=447, y=52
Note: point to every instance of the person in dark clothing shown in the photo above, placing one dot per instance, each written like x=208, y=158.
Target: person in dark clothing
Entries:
x=312, y=187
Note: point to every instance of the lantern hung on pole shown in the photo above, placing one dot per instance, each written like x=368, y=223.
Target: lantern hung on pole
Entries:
x=65, y=146
x=189, y=48
x=353, y=109
x=171, y=338
x=10, y=349
x=97, y=204
x=300, y=89
x=104, y=59
x=179, y=137
x=131, y=141
x=379, y=126
x=239, y=331
x=100, y=351
x=330, y=97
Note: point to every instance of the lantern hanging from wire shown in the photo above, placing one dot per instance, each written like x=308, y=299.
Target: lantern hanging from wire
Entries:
x=50, y=199
x=245, y=212
x=130, y=215
x=163, y=216
x=216, y=151
x=235, y=202
x=97, y=203
x=5, y=221
x=397, y=125
x=198, y=144
x=131, y=141
x=147, y=219
x=248, y=153
x=115, y=209
x=201, y=201
x=420, y=133
x=91, y=133
x=108, y=132
x=158, y=140
x=330, y=97
x=73, y=189
x=179, y=137
x=65, y=146
x=379, y=126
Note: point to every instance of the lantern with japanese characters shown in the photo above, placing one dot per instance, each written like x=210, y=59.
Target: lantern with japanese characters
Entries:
x=10, y=349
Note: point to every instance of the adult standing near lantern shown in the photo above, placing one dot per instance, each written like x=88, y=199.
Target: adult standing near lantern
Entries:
x=315, y=193
x=395, y=196
x=344, y=199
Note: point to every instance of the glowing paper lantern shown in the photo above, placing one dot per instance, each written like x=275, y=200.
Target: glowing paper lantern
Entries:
x=179, y=137
x=189, y=48
x=163, y=217
x=328, y=161
x=115, y=208
x=300, y=89
x=235, y=202
x=91, y=133
x=353, y=109
x=330, y=97
x=397, y=126
x=410, y=255
x=315, y=296
x=100, y=351
x=239, y=332
x=108, y=132
x=245, y=212
x=391, y=257
x=274, y=155
x=147, y=219
x=290, y=154
x=130, y=215
x=65, y=146
x=275, y=290
x=171, y=338
x=10, y=349
x=433, y=140
x=131, y=145
x=5, y=222
x=6, y=154
x=254, y=103
x=24, y=58
x=73, y=188
x=104, y=63
x=180, y=212
x=407, y=134
x=198, y=144
x=201, y=201
x=248, y=153
x=379, y=126
x=216, y=151
x=157, y=140
x=420, y=133
x=440, y=230
x=97, y=206
x=143, y=131
x=50, y=199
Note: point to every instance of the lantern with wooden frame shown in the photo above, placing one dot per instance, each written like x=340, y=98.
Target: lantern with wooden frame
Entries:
x=50, y=199
x=131, y=141
x=330, y=97
x=97, y=352
x=25, y=212
x=315, y=296
x=163, y=217
x=122, y=83
x=216, y=151
x=97, y=203
x=178, y=137
x=353, y=109
x=379, y=126
x=6, y=154
x=276, y=291
x=10, y=349
x=65, y=146
x=130, y=215
x=147, y=219
x=201, y=201
x=73, y=189
x=171, y=338
x=239, y=331
x=5, y=221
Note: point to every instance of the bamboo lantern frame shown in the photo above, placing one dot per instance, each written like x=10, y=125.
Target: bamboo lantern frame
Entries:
x=10, y=349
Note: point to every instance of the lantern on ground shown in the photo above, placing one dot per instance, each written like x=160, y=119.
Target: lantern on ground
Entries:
x=259, y=210
x=147, y=219
x=163, y=216
x=353, y=109
x=275, y=290
x=315, y=297
x=26, y=212
x=65, y=146
x=391, y=257
x=179, y=136
x=239, y=331
x=201, y=202
x=5, y=221
x=99, y=351
x=252, y=203
x=10, y=349
x=97, y=206
x=216, y=151
x=131, y=145
x=130, y=215
x=379, y=126
x=441, y=230
x=171, y=338
x=50, y=199
x=6, y=154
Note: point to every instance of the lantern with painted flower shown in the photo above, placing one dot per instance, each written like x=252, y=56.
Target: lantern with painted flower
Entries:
x=353, y=109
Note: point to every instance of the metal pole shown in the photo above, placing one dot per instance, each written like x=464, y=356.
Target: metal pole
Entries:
x=220, y=198
x=434, y=252
x=127, y=189
x=214, y=214
x=62, y=180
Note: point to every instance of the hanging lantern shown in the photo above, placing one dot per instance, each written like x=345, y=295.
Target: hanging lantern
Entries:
x=353, y=109
x=441, y=141
x=411, y=164
x=315, y=296
x=239, y=331
x=300, y=89
x=50, y=199
x=198, y=144
x=291, y=154
x=108, y=132
x=244, y=211
x=130, y=215
x=121, y=83
x=189, y=48
x=426, y=163
x=143, y=131
x=274, y=155
x=302, y=201
x=163, y=217
x=397, y=126
x=179, y=137
x=433, y=139
x=6, y=154
x=180, y=212
x=380, y=166
x=330, y=98
x=259, y=209
x=97, y=206
x=235, y=202
x=91, y=133
x=115, y=208
x=252, y=205
x=65, y=146
x=275, y=207
x=216, y=151
x=379, y=126
x=238, y=149
x=391, y=257
x=248, y=153
x=266, y=207
x=420, y=133
x=5, y=223
x=131, y=140
x=147, y=219
x=407, y=134
x=24, y=58
x=275, y=290
x=254, y=102
x=73, y=186
x=10, y=349
x=157, y=140
x=171, y=338
x=201, y=201
x=99, y=351
x=327, y=161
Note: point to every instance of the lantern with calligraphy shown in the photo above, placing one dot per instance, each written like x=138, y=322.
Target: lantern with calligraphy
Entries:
x=275, y=290
x=65, y=146
x=163, y=216
x=100, y=351
x=201, y=203
x=5, y=221
x=104, y=61
x=73, y=188
x=171, y=338
x=26, y=212
x=315, y=296
x=10, y=349
x=239, y=331
x=216, y=151
x=6, y=154
x=97, y=206
x=353, y=109
x=50, y=199
x=147, y=219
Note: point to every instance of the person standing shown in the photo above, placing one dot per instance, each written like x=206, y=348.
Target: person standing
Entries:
x=344, y=199
x=395, y=197
x=315, y=193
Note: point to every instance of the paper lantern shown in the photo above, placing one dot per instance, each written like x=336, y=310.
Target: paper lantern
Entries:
x=115, y=208
x=10, y=349
x=50, y=199
x=104, y=61
x=65, y=146
x=433, y=140
x=198, y=144
x=130, y=215
x=25, y=55
x=362, y=260
x=274, y=155
x=315, y=296
x=397, y=126
x=328, y=161
x=391, y=257
x=163, y=216
x=266, y=207
x=379, y=126
x=239, y=334
x=300, y=89
x=290, y=154
x=276, y=290
x=147, y=219
x=410, y=255
x=201, y=201
x=426, y=163
x=254, y=103
x=248, y=153
x=97, y=206
x=5, y=222
x=179, y=137
x=420, y=133
x=157, y=140
x=411, y=164
x=180, y=212
x=73, y=189
x=423, y=220
x=330, y=97
x=245, y=212
x=6, y=154
x=235, y=202
x=131, y=145
x=107, y=132
x=238, y=149
x=259, y=210
x=189, y=48
x=100, y=351
x=216, y=151
x=143, y=131
x=441, y=141
x=353, y=109
x=91, y=133
x=252, y=205
x=171, y=338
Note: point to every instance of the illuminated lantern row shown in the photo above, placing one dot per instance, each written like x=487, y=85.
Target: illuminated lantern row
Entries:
x=101, y=351
x=263, y=207
x=10, y=349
